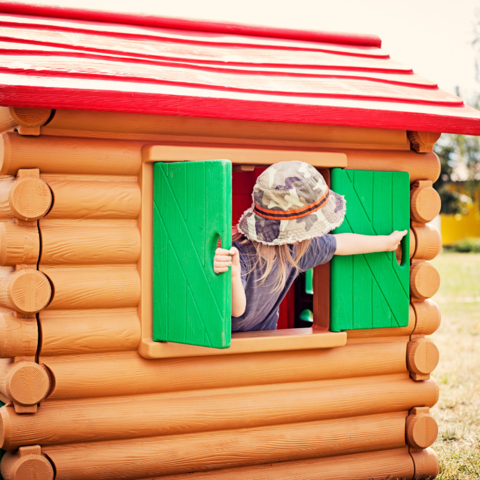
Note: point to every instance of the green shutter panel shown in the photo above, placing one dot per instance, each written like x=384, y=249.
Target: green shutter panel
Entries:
x=372, y=290
x=191, y=209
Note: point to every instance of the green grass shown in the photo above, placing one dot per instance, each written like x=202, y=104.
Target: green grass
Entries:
x=458, y=373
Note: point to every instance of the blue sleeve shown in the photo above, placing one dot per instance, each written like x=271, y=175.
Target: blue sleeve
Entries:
x=245, y=262
x=321, y=250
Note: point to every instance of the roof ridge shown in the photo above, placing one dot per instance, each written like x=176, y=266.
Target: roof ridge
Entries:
x=363, y=40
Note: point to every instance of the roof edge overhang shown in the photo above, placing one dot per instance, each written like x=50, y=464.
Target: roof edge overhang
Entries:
x=364, y=40
x=236, y=109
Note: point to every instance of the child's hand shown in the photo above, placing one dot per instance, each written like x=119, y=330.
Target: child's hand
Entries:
x=354, y=244
x=226, y=258
x=394, y=239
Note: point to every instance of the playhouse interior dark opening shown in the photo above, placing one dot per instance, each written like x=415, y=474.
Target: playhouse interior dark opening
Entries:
x=296, y=309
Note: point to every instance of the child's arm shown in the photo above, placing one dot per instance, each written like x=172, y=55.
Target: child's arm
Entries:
x=353, y=244
x=231, y=258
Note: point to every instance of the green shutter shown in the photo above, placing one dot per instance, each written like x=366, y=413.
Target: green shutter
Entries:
x=191, y=209
x=372, y=290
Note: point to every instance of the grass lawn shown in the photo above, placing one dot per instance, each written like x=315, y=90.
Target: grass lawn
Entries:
x=458, y=373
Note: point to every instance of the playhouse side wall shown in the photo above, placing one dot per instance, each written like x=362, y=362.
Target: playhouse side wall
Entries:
x=83, y=403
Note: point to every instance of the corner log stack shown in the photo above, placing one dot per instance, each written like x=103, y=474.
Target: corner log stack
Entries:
x=24, y=290
x=108, y=413
x=422, y=354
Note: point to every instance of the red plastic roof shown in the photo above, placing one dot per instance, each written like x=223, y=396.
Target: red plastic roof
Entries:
x=76, y=59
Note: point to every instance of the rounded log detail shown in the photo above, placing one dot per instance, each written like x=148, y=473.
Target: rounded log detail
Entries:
x=19, y=244
x=428, y=242
x=88, y=331
x=69, y=155
x=422, y=356
x=93, y=245
x=5, y=186
x=30, y=198
x=140, y=416
x=18, y=336
x=25, y=383
x=147, y=126
x=422, y=429
x=25, y=198
x=95, y=200
x=425, y=202
x=114, y=374
x=25, y=291
x=396, y=161
x=424, y=280
x=26, y=464
x=227, y=449
x=6, y=120
x=94, y=287
x=413, y=244
x=383, y=464
x=426, y=463
x=30, y=117
x=427, y=316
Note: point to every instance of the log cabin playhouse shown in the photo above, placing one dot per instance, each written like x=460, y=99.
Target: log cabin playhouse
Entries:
x=129, y=145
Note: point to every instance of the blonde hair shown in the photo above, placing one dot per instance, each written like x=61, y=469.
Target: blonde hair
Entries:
x=266, y=255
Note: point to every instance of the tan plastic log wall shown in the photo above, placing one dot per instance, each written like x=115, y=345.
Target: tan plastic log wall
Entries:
x=336, y=413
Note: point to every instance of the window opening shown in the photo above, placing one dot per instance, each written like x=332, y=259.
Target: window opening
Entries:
x=296, y=309
x=242, y=342
x=304, y=300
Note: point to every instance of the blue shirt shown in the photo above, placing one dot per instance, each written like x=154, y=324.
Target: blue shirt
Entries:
x=262, y=312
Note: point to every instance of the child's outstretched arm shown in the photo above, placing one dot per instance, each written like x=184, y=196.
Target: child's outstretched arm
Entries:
x=221, y=262
x=353, y=244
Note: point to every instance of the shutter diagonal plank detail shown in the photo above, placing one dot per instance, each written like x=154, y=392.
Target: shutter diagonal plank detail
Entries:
x=192, y=207
x=375, y=284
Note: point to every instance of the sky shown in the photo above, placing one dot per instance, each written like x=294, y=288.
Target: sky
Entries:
x=434, y=37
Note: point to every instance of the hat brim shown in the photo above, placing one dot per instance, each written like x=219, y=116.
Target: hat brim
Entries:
x=281, y=232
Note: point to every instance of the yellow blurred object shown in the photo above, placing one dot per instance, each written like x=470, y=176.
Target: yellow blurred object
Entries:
x=457, y=227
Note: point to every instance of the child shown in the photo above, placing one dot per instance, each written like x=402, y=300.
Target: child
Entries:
x=284, y=233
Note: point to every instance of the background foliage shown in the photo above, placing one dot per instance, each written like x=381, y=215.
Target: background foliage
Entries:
x=460, y=163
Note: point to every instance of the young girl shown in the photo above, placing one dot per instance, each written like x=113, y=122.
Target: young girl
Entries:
x=284, y=233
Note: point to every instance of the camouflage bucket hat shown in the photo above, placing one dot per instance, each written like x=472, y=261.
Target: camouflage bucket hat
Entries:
x=291, y=202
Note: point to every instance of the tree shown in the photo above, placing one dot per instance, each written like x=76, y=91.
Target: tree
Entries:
x=460, y=162
x=460, y=154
